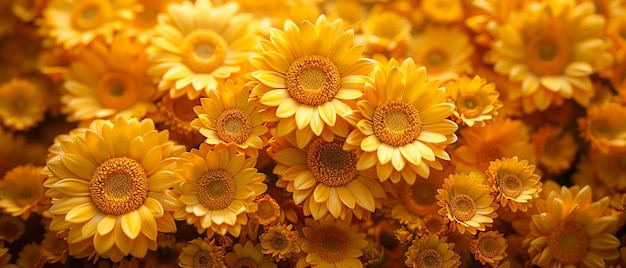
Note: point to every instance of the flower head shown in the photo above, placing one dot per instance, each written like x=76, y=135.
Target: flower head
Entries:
x=603, y=127
x=432, y=251
x=202, y=252
x=248, y=255
x=333, y=242
x=555, y=148
x=280, y=241
x=22, y=191
x=268, y=211
x=23, y=104
x=514, y=183
x=476, y=100
x=489, y=248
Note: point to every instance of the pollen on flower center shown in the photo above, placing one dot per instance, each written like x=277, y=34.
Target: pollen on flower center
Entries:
x=313, y=80
x=119, y=185
x=569, y=243
x=203, y=259
x=330, y=164
x=469, y=106
x=429, y=258
x=331, y=244
x=117, y=91
x=216, y=189
x=233, y=125
x=90, y=14
x=463, y=207
x=547, y=55
x=489, y=247
x=203, y=51
x=509, y=185
x=280, y=241
x=396, y=122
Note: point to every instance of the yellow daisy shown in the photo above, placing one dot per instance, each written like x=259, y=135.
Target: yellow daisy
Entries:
x=552, y=48
x=78, y=22
x=229, y=116
x=514, y=183
x=385, y=31
x=332, y=243
x=11, y=228
x=30, y=256
x=218, y=186
x=198, y=45
x=202, y=252
x=432, y=251
x=489, y=248
x=573, y=231
x=443, y=11
x=555, y=148
x=445, y=51
x=279, y=241
x=268, y=211
x=308, y=76
x=248, y=255
x=273, y=14
x=23, y=104
x=603, y=126
x=476, y=100
x=22, y=191
x=325, y=178
x=467, y=203
x=109, y=81
x=108, y=185
x=401, y=123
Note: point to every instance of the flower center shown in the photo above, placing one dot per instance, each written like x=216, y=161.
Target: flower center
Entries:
x=330, y=164
x=429, y=258
x=433, y=224
x=548, y=55
x=204, y=51
x=119, y=185
x=178, y=112
x=216, y=189
x=396, y=122
x=420, y=198
x=436, y=59
x=462, y=207
x=280, y=241
x=313, y=80
x=569, y=243
x=117, y=91
x=600, y=128
x=233, y=125
x=90, y=14
x=331, y=244
x=266, y=209
x=245, y=263
x=510, y=185
x=618, y=161
x=203, y=259
x=469, y=106
x=489, y=247
x=489, y=152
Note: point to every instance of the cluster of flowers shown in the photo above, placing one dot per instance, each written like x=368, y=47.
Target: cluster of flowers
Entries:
x=296, y=133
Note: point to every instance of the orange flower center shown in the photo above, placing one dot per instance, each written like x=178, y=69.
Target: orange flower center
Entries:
x=429, y=258
x=462, y=207
x=488, y=247
x=117, y=91
x=396, y=122
x=178, y=112
x=469, y=106
x=234, y=125
x=510, y=185
x=216, y=189
x=569, y=243
x=203, y=259
x=280, y=241
x=313, y=80
x=119, y=185
x=331, y=244
x=420, y=198
x=330, y=164
x=548, y=55
x=436, y=61
x=245, y=263
x=203, y=51
x=90, y=14
x=489, y=152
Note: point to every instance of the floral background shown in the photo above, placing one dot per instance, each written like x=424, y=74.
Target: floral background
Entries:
x=297, y=133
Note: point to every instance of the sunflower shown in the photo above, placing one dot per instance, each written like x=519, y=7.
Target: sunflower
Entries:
x=23, y=104
x=333, y=243
x=385, y=30
x=218, y=186
x=22, y=191
x=551, y=48
x=308, y=76
x=71, y=23
x=109, y=81
x=573, y=231
x=466, y=202
x=325, y=178
x=401, y=123
x=603, y=126
x=486, y=15
x=514, y=183
x=279, y=241
x=489, y=248
x=108, y=185
x=202, y=252
x=555, y=148
x=248, y=256
x=476, y=100
x=228, y=116
x=198, y=45
x=268, y=211
x=445, y=51
x=30, y=256
x=11, y=228
x=431, y=252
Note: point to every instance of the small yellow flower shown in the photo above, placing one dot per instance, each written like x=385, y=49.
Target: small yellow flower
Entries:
x=248, y=255
x=385, y=30
x=610, y=167
x=555, y=148
x=30, y=256
x=333, y=243
x=54, y=248
x=603, y=126
x=202, y=252
x=11, y=228
x=268, y=211
x=514, y=183
x=443, y=11
x=489, y=248
x=432, y=251
x=22, y=191
x=23, y=104
x=476, y=100
x=279, y=241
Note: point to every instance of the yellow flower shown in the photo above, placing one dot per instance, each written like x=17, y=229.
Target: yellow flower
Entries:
x=279, y=241
x=11, y=228
x=248, y=255
x=603, y=126
x=109, y=81
x=22, y=192
x=444, y=51
x=218, y=186
x=309, y=76
x=402, y=125
x=385, y=30
x=268, y=211
x=443, y=11
x=109, y=186
x=514, y=183
x=23, y=104
x=476, y=100
x=555, y=148
x=198, y=45
x=54, y=248
x=30, y=256
x=489, y=248
x=177, y=114
x=551, y=48
x=486, y=15
x=333, y=243
x=202, y=252
x=432, y=251
x=467, y=203
x=228, y=116
x=572, y=230
x=78, y=22
x=325, y=178
x=351, y=12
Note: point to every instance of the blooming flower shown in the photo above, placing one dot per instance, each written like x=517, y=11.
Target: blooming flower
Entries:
x=202, y=252
x=476, y=100
x=280, y=241
x=23, y=104
x=248, y=255
x=514, y=183
x=333, y=243
x=432, y=251
x=22, y=191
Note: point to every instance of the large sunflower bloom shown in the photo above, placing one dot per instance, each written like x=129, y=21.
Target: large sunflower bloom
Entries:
x=218, y=186
x=308, y=76
x=333, y=243
x=402, y=125
x=552, y=48
x=198, y=45
x=573, y=231
x=108, y=186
